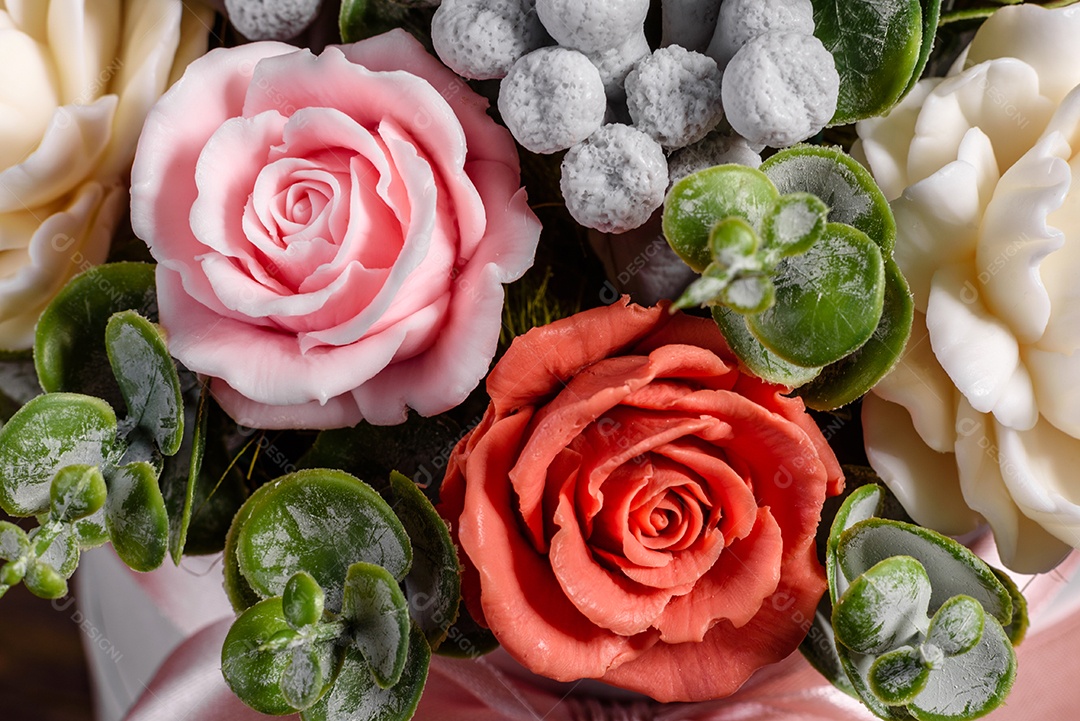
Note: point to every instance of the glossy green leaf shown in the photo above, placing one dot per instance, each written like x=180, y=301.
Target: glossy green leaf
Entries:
x=433, y=584
x=862, y=503
x=135, y=516
x=466, y=638
x=353, y=20
x=793, y=225
x=69, y=344
x=749, y=294
x=828, y=300
x=302, y=601
x=897, y=677
x=180, y=475
x=760, y=360
x=319, y=521
x=851, y=377
x=1017, y=628
x=44, y=581
x=49, y=433
x=845, y=186
x=957, y=626
x=92, y=531
x=62, y=553
x=378, y=616
x=876, y=45
x=355, y=695
x=241, y=595
x=13, y=542
x=147, y=377
x=76, y=492
x=952, y=568
x=931, y=14
x=252, y=664
x=697, y=202
x=302, y=680
x=883, y=607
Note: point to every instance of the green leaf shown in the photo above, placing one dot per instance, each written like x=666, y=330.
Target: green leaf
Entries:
x=957, y=626
x=147, y=377
x=793, y=225
x=302, y=601
x=952, y=568
x=972, y=684
x=876, y=45
x=13, y=542
x=1017, y=628
x=252, y=664
x=850, y=377
x=241, y=595
x=356, y=697
x=91, y=531
x=433, y=584
x=698, y=201
x=760, y=360
x=749, y=294
x=62, y=554
x=863, y=503
x=180, y=475
x=353, y=20
x=44, y=581
x=378, y=615
x=49, y=433
x=302, y=680
x=897, y=677
x=819, y=648
x=69, y=344
x=319, y=521
x=77, y=492
x=844, y=185
x=135, y=516
x=931, y=14
x=828, y=300
x=883, y=608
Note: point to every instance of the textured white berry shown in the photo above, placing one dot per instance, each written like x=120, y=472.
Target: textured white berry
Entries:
x=481, y=39
x=780, y=88
x=592, y=25
x=714, y=149
x=741, y=21
x=615, y=64
x=673, y=96
x=271, y=19
x=551, y=99
x=614, y=180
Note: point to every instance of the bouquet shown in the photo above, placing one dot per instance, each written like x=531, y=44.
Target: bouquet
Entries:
x=656, y=345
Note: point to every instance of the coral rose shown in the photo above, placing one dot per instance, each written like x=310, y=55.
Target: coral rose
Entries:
x=633, y=507
x=77, y=79
x=332, y=232
x=982, y=415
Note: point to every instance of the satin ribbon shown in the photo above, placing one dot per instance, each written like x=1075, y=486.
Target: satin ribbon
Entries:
x=189, y=685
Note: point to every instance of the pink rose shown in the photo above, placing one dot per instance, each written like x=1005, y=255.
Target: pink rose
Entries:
x=332, y=232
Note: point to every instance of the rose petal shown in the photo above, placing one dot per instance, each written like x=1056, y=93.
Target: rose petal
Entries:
x=1058, y=401
x=83, y=39
x=28, y=95
x=337, y=412
x=886, y=140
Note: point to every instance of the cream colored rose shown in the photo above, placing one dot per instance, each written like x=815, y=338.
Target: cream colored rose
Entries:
x=77, y=78
x=982, y=415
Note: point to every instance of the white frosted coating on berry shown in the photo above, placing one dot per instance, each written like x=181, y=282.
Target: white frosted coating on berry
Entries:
x=714, y=149
x=551, y=99
x=741, y=21
x=271, y=19
x=689, y=23
x=674, y=96
x=780, y=88
x=614, y=180
x=592, y=25
x=481, y=39
x=616, y=63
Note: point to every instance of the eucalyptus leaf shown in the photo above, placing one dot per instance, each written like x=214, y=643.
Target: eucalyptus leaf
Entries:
x=302, y=601
x=47, y=434
x=931, y=15
x=353, y=20
x=467, y=639
x=862, y=503
x=302, y=679
x=62, y=553
x=69, y=343
x=180, y=474
x=897, y=677
x=91, y=531
x=957, y=626
x=793, y=225
x=44, y=581
x=433, y=584
x=251, y=665
x=819, y=648
x=883, y=607
x=356, y=697
x=378, y=616
x=1017, y=628
x=147, y=377
x=828, y=300
x=750, y=294
x=320, y=521
x=136, y=518
x=13, y=542
x=760, y=360
x=76, y=492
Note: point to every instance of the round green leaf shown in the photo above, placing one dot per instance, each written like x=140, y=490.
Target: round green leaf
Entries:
x=13, y=542
x=69, y=344
x=828, y=300
x=378, y=616
x=302, y=601
x=353, y=20
x=862, y=503
x=697, y=202
x=135, y=516
x=876, y=45
x=957, y=626
x=62, y=553
x=952, y=568
x=931, y=14
x=883, y=608
x=793, y=225
x=241, y=595
x=845, y=186
x=302, y=680
x=760, y=360
x=1017, y=628
x=44, y=581
x=77, y=492
x=319, y=521
x=147, y=377
x=850, y=377
x=49, y=433
x=92, y=531
x=898, y=676
x=355, y=695
x=252, y=665
x=433, y=584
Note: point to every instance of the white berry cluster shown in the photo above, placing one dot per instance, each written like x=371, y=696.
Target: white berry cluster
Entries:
x=579, y=75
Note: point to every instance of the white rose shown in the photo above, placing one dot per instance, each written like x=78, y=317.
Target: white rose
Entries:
x=982, y=415
x=77, y=78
